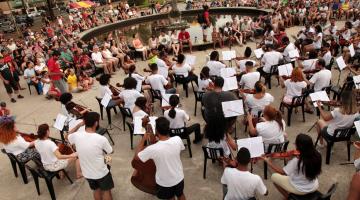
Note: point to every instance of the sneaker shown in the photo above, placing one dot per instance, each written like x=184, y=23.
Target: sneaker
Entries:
x=20, y=97
x=13, y=100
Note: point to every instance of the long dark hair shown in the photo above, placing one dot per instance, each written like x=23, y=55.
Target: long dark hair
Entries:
x=173, y=101
x=310, y=159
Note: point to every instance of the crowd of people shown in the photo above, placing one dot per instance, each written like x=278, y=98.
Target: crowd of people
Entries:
x=57, y=63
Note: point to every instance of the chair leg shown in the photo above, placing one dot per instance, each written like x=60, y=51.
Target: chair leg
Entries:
x=265, y=170
x=195, y=107
x=50, y=188
x=204, y=171
x=186, y=89
x=348, y=149
x=289, y=116
x=303, y=112
x=108, y=113
x=112, y=141
x=13, y=165
x=124, y=119
x=189, y=146
x=328, y=152
x=23, y=173
x=101, y=112
x=36, y=181
x=131, y=140
x=67, y=176
x=317, y=140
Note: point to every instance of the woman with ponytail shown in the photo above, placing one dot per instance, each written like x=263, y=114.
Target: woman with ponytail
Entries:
x=299, y=176
x=272, y=129
x=179, y=117
x=257, y=102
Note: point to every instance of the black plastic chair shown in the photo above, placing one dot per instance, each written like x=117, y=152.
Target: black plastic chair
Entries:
x=275, y=148
x=108, y=110
x=131, y=130
x=182, y=80
x=315, y=195
x=297, y=101
x=155, y=94
x=340, y=135
x=39, y=172
x=198, y=96
x=183, y=135
x=125, y=113
x=213, y=154
x=273, y=72
x=103, y=131
x=14, y=161
x=337, y=90
x=330, y=64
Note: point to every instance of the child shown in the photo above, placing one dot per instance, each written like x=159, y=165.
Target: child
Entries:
x=49, y=89
x=73, y=82
x=85, y=81
x=3, y=110
x=216, y=38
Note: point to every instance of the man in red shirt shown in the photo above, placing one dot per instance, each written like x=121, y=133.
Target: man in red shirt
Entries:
x=206, y=25
x=184, y=38
x=55, y=73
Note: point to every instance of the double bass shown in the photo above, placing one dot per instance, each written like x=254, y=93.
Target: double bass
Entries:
x=143, y=176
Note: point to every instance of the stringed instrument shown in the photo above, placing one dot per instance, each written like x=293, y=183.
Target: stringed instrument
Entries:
x=114, y=90
x=76, y=109
x=247, y=91
x=287, y=154
x=143, y=176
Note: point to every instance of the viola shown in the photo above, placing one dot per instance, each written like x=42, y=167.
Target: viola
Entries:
x=333, y=103
x=114, y=90
x=287, y=154
x=76, y=109
x=143, y=176
x=247, y=91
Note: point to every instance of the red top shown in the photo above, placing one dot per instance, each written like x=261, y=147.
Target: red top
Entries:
x=8, y=59
x=54, y=67
x=206, y=16
x=184, y=35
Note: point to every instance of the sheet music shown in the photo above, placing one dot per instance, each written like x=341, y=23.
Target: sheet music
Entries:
x=285, y=70
x=60, y=122
x=106, y=99
x=228, y=55
x=189, y=59
x=309, y=64
x=255, y=146
x=74, y=122
x=294, y=53
x=138, y=129
x=165, y=99
x=230, y=83
x=232, y=108
x=319, y=96
x=340, y=62
x=357, y=81
x=258, y=52
x=227, y=72
x=357, y=126
x=352, y=50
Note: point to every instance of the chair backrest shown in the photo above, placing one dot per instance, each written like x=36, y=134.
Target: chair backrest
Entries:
x=330, y=192
x=277, y=148
x=179, y=78
x=274, y=69
x=198, y=94
x=126, y=112
x=343, y=134
x=177, y=132
x=330, y=64
x=298, y=100
x=212, y=153
x=130, y=126
x=155, y=94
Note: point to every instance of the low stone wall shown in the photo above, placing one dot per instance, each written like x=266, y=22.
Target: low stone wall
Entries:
x=99, y=30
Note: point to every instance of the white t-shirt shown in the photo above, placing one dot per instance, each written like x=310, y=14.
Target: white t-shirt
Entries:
x=164, y=40
x=269, y=59
x=180, y=118
x=241, y=64
x=241, y=184
x=163, y=69
x=129, y=97
x=327, y=57
x=288, y=48
x=104, y=89
x=340, y=121
x=90, y=148
x=166, y=156
x=270, y=132
x=139, y=113
x=46, y=149
x=139, y=79
x=29, y=73
x=298, y=179
x=215, y=67
x=294, y=88
x=203, y=84
x=183, y=70
x=97, y=57
x=257, y=105
x=321, y=79
x=17, y=146
x=157, y=82
x=248, y=80
x=317, y=44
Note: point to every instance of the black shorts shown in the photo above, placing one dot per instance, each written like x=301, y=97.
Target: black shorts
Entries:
x=169, y=192
x=104, y=183
x=13, y=85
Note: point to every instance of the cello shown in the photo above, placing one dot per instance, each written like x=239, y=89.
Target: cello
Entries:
x=143, y=176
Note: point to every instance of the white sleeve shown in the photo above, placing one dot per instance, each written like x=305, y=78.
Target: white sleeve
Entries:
x=23, y=143
x=223, y=178
x=314, y=78
x=146, y=154
x=106, y=146
x=181, y=144
x=53, y=146
x=260, y=187
x=72, y=138
x=164, y=81
x=291, y=166
x=121, y=95
x=186, y=116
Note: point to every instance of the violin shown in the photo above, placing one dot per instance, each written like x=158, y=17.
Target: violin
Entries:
x=247, y=91
x=287, y=154
x=28, y=137
x=333, y=103
x=76, y=109
x=114, y=90
x=143, y=176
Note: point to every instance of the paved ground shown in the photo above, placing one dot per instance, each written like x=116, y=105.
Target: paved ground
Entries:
x=36, y=109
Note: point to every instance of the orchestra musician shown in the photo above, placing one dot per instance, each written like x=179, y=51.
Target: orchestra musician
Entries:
x=14, y=143
x=320, y=79
x=105, y=89
x=238, y=182
x=204, y=80
x=158, y=82
x=214, y=64
x=257, y=102
x=182, y=68
x=251, y=76
x=300, y=174
x=130, y=94
x=166, y=155
x=90, y=148
x=240, y=61
x=354, y=190
x=51, y=158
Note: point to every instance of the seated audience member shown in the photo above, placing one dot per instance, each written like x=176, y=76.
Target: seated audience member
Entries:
x=108, y=56
x=72, y=82
x=127, y=63
x=51, y=158
x=182, y=68
x=238, y=182
x=178, y=118
x=251, y=76
x=158, y=82
x=272, y=129
x=100, y=62
x=164, y=42
x=300, y=174
x=184, y=38
x=85, y=81
x=204, y=81
x=216, y=38
x=153, y=42
x=342, y=117
x=214, y=64
x=31, y=78
x=130, y=94
x=138, y=45
x=257, y=102
x=14, y=143
x=175, y=44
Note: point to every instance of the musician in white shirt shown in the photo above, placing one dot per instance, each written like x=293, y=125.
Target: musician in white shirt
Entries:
x=289, y=47
x=214, y=64
x=321, y=78
x=249, y=79
x=270, y=58
x=158, y=82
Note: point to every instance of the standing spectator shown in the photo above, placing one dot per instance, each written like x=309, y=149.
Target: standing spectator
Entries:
x=55, y=73
x=9, y=80
x=206, y=25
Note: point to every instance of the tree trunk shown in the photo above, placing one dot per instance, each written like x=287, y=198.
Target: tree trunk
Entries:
x=50, y=9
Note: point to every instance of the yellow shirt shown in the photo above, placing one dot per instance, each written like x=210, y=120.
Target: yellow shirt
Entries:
x=72, y=81
x=345, y=6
